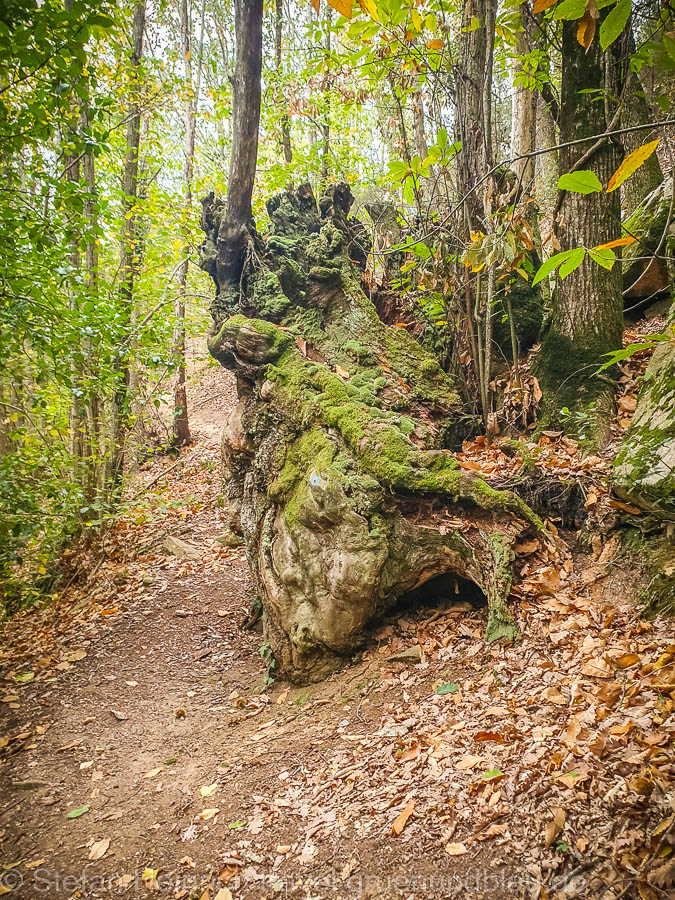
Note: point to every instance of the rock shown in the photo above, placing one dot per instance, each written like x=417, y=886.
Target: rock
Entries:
x=644, y=469
x=181, y=549
x=410, y=654
x=230, y=539
x=646, y=277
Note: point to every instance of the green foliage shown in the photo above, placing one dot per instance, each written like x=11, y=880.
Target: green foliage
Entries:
x=582, y=181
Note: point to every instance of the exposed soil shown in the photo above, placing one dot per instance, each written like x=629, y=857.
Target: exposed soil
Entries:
x=541, y=770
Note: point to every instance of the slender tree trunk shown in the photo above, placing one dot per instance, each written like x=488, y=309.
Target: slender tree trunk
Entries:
x=473, y=79
x=587, y=310
x=278, y=39
x=128, y=262
x=523, y=109
x=181, y=428
x=325, y=125
x=91, y=403
x=236, y=228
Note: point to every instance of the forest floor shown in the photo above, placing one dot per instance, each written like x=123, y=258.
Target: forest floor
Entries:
x=144, y=752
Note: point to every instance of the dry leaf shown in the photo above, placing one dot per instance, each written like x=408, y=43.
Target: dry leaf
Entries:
x=554, y=828
x=468, y=762
x=455, y=849
x=153, y=772
x=597, y=668
x=99, y=849
x=223, y=894
x=401, y=819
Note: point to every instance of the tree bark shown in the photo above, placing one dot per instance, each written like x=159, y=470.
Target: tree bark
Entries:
x=523, y=118
x=278, y=38
x=128, y=262
x=181, y=427
x=587, y=310
x=237, y=226
x=473, y=120
x=473, y=117
x=334, y=451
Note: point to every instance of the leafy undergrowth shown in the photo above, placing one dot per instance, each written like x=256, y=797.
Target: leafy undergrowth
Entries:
x=145, y=754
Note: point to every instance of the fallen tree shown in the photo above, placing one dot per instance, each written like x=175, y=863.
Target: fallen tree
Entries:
x=335, y=449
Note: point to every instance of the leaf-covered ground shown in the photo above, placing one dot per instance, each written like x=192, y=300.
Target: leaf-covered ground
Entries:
x=145, y=754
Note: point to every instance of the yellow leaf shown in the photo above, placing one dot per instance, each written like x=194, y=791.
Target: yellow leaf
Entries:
x=631, y=164
x=208, y=789
x=149, y=877
x=344, y=7
x=436, y=44
x=401, y=819
x=542, y=5
x=370, y=7
x=619, y=242
x=207, y=814
x=586, y=30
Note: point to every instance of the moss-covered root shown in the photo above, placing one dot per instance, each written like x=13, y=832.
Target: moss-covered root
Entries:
x=500, y=622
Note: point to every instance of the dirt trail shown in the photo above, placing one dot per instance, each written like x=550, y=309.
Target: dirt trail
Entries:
x=141, y=709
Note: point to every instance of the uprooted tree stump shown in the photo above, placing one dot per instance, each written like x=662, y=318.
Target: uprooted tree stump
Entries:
x=335, y=449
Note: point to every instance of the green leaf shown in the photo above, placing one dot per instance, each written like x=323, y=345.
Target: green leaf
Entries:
x=447, y=687
x=76, y=813
x=582, y=182
x=570, y=9
x=491, y=773
x=550, y=265
x=24, y=677
x=626, y=352
x=605, y=258
x=573, y=261
x=235, y=825
x=615, y=23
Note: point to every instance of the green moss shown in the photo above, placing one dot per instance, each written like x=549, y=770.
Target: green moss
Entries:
x=269, y=298
x=574, y=399
x=500, y=624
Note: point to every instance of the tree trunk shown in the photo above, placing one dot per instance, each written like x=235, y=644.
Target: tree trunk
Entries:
x=278, y=38
x=236, y=230
x=587, y=310
x=91, y=399
x=128, y=263
x=181, y=428
x=347, y=500
x=473, y=78
x=523, y=118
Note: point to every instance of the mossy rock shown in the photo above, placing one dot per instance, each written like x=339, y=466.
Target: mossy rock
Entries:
x=644, y=469
x=647, y=277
